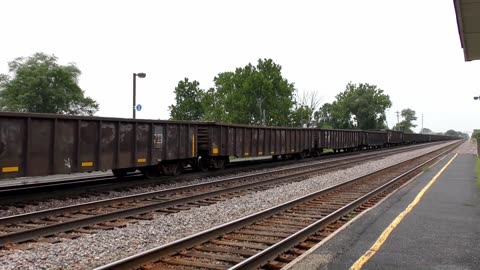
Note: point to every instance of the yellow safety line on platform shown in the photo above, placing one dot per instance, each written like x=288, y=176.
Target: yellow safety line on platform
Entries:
x=386, y=233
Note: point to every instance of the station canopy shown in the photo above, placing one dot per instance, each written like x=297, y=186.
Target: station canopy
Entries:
x=468, y=21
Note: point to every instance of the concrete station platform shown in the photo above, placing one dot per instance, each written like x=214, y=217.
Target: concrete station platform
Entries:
x=441, y=231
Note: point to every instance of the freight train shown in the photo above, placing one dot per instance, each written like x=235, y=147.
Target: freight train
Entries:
x=47, y=144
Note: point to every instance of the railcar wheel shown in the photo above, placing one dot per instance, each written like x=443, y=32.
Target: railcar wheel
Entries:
x=202, y=164
x=151, y=172
x=172, y=169
x=219, y=164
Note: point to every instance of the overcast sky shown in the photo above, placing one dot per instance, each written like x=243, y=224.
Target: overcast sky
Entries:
x=410, y=49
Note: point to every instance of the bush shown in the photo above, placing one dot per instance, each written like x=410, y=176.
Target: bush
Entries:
x=476, y=134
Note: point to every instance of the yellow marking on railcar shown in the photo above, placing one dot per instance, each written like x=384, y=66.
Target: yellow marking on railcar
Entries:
x=246, y=154
x=260, y=153
x=272, y=153
x=10, y=169
x=193, y=145
x=87, y=164
x=293, y=150
x=141, y=160
x=215, y=150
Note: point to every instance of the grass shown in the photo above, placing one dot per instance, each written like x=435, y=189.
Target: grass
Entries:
x=425, y=169
x=477, y=172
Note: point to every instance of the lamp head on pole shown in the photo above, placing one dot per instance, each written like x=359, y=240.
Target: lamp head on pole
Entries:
x=475, y=98
x=141, y=75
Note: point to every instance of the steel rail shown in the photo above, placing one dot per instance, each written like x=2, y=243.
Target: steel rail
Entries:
x=7, y=191
x=270, y=253
x=330, y=164
x=33, y=233
x=23, y=189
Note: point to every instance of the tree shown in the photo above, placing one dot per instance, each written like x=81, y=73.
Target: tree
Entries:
x=334, y=115
x=460, y=134
x=476, y=134
x=188, y=98
x=305, y=106
x=452, y=132
x=426, y=131
x=360, y=106
x=406, y=124
x=301, y=116
x=39, y=84
x=251, y=95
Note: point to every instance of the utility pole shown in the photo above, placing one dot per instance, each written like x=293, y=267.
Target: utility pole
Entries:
x=421, y=131
x=398, y=117
x=135, y=75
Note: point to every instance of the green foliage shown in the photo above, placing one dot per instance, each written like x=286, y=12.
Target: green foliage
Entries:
x=334, y=115
x=301, y=116
x=477, y=172
x=188, y=98
x=39, y=84
x=426, y=131
x=406, y=124
x=251, y=95
x=452, y=132
x=476, y=134
x=460, y=134
x=360, y=106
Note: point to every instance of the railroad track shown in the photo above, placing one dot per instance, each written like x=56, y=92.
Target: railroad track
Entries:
x=11, y=190
x=61, y=189
x=119, y=212
x=130, y=180
x=272, y=238
x=21, y=196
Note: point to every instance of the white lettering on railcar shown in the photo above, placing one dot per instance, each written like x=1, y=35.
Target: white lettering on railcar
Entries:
x=68, y=163
x=157, y=140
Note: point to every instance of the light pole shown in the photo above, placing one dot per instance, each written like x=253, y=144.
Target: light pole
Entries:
x=140, y=75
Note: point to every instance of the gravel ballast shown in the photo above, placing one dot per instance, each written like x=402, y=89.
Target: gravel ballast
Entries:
x=90, y=251
x=46, y=204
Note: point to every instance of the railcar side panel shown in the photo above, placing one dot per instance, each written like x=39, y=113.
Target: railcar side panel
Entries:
x=43, y=144
x=65, y=160
x=261, y=151
x=13, y=146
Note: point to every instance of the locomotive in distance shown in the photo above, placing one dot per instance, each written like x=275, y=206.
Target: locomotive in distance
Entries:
x=48, y=144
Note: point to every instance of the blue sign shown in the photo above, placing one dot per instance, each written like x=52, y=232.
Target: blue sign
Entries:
x=139, y=107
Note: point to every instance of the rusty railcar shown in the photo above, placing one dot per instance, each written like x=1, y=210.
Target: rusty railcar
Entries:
x=420, y=138
x=217, y=142
x=340, y=139
x=44, y=144
x=409, y=138
x=394, y=137
x=375, y=139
